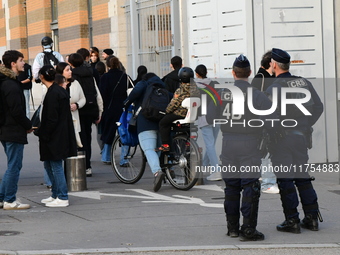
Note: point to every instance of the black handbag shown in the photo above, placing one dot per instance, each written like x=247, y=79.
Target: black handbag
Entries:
x=36, y=118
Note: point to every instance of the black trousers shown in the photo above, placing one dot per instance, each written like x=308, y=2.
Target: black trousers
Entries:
x=165, y=126
x=86, y=137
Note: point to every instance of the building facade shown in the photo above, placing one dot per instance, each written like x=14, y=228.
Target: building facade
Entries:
x=72, y=24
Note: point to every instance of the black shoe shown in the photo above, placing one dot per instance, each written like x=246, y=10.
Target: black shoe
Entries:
x=159, y=176
x=291, y=225
x=310, y=222
x=124, y=165
x=250, y=234
x=233, y=229
x=233, y=233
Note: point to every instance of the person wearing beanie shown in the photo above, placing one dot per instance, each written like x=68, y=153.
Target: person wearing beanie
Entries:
x=106, y=53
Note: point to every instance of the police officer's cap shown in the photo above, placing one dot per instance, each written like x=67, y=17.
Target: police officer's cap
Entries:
x=241, y=62
x=280, y=56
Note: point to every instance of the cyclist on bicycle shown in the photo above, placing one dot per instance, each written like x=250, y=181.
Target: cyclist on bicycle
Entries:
x=175, y=110
x=147, y=130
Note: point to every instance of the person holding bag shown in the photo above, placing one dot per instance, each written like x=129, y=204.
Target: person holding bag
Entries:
x=113, y=86
x=56, y=136
x=148, y=131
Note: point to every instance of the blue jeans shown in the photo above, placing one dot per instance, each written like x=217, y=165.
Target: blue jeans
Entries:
x=149, y=141
x=209, y=134
x=106, y=153
x=56, y=174
x=47, y=179
x=268, y=176
x=9, y=183
x=124, y=151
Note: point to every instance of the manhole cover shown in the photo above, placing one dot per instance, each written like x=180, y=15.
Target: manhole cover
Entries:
x=9, y=233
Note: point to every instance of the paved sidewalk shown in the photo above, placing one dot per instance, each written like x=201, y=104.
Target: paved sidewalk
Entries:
x=112, y=217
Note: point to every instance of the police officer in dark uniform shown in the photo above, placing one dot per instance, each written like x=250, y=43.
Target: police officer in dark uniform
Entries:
x=240, y=152
x=290, y=146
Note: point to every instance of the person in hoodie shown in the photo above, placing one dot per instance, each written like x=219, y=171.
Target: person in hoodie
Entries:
x=148, y=135
x=209, y=131
x=14, y=126
x=92, y=110
x=175, y=111
x=171, y=80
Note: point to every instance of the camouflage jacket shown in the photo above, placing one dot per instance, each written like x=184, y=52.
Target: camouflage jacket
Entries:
x=185, y=90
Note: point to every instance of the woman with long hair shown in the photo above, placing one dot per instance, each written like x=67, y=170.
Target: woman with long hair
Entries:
x=56, y=136
x=77, y=97
x=113, y=85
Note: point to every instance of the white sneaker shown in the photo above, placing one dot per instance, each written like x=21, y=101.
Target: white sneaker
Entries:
x=89, y=172
x=272, y=190
x=216, y=176
x=16, y=205
x=47, y=200
x=57, y=203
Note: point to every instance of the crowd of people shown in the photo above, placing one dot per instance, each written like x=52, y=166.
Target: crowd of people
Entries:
x=82, y=91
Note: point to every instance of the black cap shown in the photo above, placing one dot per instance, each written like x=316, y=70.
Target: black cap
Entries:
x=241, y=61
x=46, y=41
x=108, y=51
x=280, y=56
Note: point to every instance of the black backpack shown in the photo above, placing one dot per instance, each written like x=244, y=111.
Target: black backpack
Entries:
x=50, y=59
x=155, y=102
x=88, y=86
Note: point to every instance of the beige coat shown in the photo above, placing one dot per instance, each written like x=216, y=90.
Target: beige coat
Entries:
x=77, y=96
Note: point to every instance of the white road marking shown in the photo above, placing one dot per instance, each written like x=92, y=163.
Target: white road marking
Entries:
x=149, y=197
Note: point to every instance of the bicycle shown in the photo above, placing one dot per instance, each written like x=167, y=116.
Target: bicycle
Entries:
x=179, y=164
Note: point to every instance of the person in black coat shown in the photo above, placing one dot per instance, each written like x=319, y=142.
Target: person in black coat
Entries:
x=141, y=71
x=57, y=140
x=14, y=126
x=113, y=86
x=171, y=80
x=25, y=78
x=262, y=80
x=91, y=112
x=264, y=77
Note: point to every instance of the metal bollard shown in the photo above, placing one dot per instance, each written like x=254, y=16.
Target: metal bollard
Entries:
x=76, y=172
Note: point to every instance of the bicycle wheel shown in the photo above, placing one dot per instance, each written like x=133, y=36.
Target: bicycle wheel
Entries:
x=181, y=163
x=128, y=162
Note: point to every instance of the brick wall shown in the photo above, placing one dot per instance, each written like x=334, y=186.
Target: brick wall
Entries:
x=29, y=21
x=2, y=26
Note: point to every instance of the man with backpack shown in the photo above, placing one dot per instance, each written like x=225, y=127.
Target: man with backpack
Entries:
x=47, y=57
